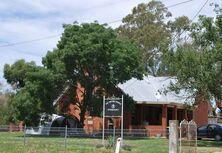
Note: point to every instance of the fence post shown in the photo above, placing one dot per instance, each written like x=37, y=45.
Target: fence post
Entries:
x=121, y=142
x=103, y=121
x=65, y=138
x=173, y=136
x=118, y=144
x=24, y=135
x=114, y=139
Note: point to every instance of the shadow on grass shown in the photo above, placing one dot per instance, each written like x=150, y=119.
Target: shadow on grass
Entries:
x=209, y=143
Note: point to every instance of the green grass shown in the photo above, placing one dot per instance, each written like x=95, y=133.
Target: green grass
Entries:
x=14, y=143
x=209, y=146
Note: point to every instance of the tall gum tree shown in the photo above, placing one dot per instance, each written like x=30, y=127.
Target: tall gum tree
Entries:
x=149, y=24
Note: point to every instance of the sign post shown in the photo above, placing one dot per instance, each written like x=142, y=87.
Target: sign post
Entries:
x=103, y=118
x=112, y=107
x=122, y=124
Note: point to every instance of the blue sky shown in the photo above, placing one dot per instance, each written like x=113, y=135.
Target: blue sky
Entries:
x=22, y=20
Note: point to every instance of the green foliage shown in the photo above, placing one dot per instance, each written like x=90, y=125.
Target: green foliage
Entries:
x=4, y=116
x=4, y=107
x=180, y=24
x=36, y=87
x=92, y=55
x=188, y=65
x=110, y=142
x=147, y=25
x=92, y=51
x=89, y=54
x=17, y=73
x=4, y=99
x=198, y=65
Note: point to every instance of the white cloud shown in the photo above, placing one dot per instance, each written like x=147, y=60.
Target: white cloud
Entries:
x=22, y=20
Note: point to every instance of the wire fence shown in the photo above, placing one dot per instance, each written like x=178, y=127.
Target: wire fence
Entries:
x=62, y=139
x=86, y=133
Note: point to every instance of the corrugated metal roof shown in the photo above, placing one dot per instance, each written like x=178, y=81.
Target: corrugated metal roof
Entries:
x=153, y=90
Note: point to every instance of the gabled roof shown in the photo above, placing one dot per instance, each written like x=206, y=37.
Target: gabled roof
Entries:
x=153, y=90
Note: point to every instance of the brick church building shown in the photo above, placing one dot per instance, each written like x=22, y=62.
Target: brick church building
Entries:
x=155, y=105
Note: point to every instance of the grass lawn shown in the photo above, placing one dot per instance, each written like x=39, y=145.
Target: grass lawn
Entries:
x=14, y=143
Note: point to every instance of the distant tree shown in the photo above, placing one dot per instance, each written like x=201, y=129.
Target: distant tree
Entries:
x=92, y=55
x=150, y=25
x=16, y=74
x=1, y=87
x=3, y=99
x=198, y=65
x=36, y=88
x=4, y=108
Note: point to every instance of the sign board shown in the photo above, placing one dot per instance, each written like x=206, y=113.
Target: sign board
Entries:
x=113, y=108
x=90, y=122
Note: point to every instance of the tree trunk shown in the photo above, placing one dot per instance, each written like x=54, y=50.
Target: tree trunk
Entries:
x=86, y=104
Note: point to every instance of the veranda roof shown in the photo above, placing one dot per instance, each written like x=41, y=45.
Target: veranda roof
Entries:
x=153, y=90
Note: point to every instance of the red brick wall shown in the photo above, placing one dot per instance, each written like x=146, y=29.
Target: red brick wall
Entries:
x=200, y=113
x=152, y=130
x=127, y=119
x=155, y=130
x=93, y=124
x=98, y=122
x=16, y=127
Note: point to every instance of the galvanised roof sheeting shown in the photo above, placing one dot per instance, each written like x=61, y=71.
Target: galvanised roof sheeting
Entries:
x=154, y=90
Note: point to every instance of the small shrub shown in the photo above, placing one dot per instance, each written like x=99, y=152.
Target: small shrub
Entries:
x=110, y=143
